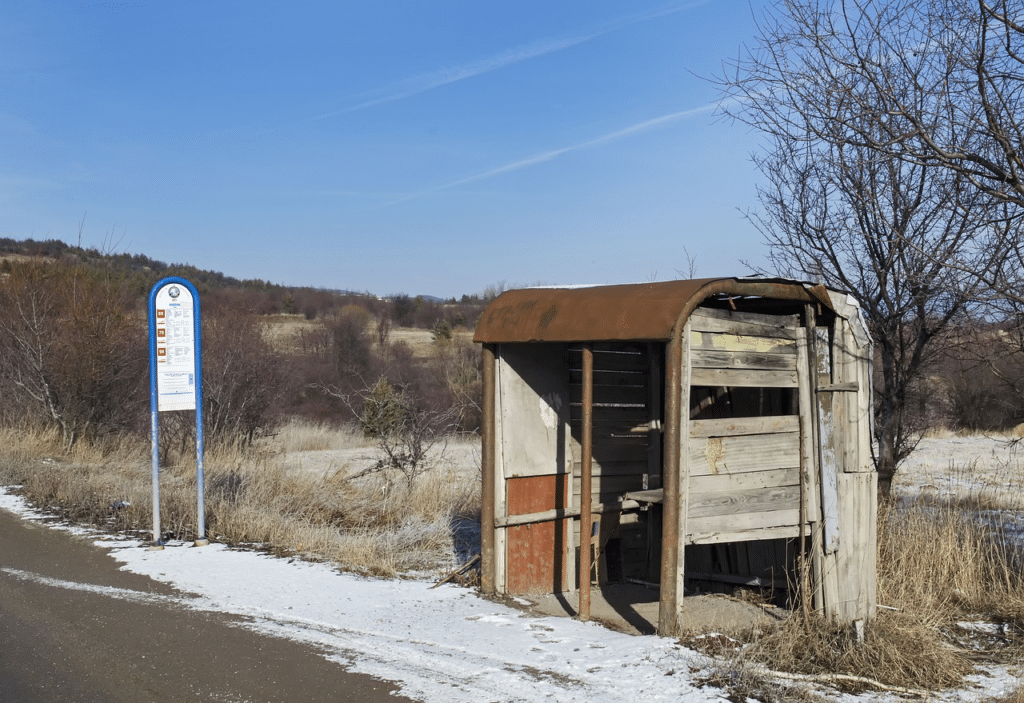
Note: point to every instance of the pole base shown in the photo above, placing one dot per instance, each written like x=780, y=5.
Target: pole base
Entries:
x=201, y=542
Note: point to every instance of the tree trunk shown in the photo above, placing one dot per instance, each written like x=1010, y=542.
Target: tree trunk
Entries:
x=886, y=464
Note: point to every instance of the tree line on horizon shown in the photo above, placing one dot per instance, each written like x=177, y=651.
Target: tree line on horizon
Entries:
x=74, y=357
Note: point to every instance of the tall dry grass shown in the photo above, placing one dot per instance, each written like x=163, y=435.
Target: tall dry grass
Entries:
x=375, y=525
x=941, y=567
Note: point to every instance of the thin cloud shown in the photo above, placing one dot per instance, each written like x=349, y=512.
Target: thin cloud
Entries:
x=423, y=83
x=553, y=154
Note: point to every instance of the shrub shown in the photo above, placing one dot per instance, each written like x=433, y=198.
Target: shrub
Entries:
x=72, y=354
x=384, y=410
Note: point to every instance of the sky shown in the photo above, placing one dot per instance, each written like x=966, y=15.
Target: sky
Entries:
x=429, y=148
x=438, y=645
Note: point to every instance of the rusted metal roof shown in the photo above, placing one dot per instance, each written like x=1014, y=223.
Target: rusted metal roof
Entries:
x=635, y=311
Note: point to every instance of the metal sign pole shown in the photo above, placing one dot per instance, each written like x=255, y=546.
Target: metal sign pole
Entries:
x=176, y=373
x=201, y=540
x=154, y=424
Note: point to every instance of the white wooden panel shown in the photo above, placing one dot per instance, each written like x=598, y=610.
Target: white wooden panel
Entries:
x=533, y=388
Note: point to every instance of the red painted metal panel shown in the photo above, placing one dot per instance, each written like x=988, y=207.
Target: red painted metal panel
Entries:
x=537, y=552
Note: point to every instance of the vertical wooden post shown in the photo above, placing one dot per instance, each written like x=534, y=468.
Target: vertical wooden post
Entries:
x=586, y=471
x=810, y=578
x=487, y=492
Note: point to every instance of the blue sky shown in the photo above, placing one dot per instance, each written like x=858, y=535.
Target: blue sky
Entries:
x=420, y=147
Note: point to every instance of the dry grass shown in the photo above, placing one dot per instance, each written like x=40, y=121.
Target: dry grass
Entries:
x=1016, y=697
x=302, y=436
x=948, y=561
x=375, y=525
x=284, y=331
x=941, y=567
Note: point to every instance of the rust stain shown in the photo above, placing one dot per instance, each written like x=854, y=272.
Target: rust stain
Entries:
x=548, y=316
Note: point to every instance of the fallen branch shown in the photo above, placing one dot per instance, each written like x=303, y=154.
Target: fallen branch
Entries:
x=839, y=678
x=458, y=572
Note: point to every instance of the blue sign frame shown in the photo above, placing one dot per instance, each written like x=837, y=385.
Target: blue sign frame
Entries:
x=154, y=405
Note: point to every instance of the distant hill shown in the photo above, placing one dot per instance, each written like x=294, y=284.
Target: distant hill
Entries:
x=203, y=279
x=141, y=273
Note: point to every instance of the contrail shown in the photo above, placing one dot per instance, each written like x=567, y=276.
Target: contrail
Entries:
x=555, y=153
x=417, y=85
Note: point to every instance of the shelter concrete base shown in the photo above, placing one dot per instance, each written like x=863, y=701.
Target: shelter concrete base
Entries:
x=634, y=610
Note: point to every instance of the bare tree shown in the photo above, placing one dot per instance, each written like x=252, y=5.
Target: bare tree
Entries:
x=879, y=229
x=411, y=436
x=71, y=353
x=242, y=375
x=831, y=85
x=929, y=83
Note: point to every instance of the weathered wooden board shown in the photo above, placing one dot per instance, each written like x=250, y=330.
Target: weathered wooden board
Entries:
x=808, y=428
x=744, y=527
x=753, y=318
x=724, y=359
x=732, y=426
x=708, y=320
x=851, y=368
x=856, y=569
x=747, y=481
x=744, y=378
x=831, y=457
x=748, y=343
x=737, y=502
x=783, y=532
x=729, y=455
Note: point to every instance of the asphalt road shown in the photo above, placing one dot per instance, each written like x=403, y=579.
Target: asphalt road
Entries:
x=63, y=639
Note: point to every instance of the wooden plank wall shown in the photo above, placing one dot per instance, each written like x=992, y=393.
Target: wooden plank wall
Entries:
x=848, y=567
x=744, y=468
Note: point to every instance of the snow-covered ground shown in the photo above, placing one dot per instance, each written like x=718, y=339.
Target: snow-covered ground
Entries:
x=448, y=644
x=984, y=467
